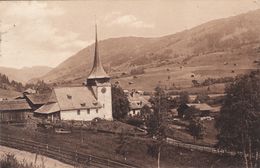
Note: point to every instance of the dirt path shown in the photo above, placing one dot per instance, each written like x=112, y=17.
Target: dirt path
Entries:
x=28, y=157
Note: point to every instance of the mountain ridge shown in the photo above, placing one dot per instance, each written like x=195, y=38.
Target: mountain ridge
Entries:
x=234, y=40
x=25, y=74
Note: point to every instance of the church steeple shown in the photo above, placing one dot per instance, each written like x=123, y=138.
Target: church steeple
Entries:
x=97, y=71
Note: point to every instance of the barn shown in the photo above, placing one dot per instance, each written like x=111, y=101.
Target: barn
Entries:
x=37, y=100
x=15, y=111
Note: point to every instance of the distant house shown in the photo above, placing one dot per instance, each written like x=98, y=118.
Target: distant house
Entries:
x=37, y=100
x=15, y=110
x=84, y=103
x=202, y=109
x=136, y=102
x=29, y=91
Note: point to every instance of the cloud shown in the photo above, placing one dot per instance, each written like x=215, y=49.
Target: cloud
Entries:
x=32, y=10
x=129, y=20
x=35, y=40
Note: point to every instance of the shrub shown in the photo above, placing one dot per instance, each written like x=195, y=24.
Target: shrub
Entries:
x=9, y=161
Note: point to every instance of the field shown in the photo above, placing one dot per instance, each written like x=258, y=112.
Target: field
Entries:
x=180, y=77
x=105, y=145
x=209, y=137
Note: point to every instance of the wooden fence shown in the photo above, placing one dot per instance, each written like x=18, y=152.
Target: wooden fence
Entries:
x=61, y=153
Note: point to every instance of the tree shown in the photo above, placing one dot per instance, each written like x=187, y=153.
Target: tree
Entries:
x=196, y=129
x=239, y=122
x=42, y=87
x=120, y=103
x=190, y=112
x=184, y=98
x=195, y=83
x=156, y=127
x=123, y=147
x=145, y=112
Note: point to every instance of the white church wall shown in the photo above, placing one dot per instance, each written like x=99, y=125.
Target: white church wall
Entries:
x=105, y=99
x=81, y=115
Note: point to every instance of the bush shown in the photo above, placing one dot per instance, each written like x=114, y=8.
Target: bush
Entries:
x=137, y=71
x=9, y=161
x=135, y=122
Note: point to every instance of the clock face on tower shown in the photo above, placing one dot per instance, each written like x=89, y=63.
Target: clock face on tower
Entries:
x=103, y=90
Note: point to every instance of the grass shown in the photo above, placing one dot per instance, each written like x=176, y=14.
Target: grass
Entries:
x=103, y=144
x=9, y=161
x=209, y=138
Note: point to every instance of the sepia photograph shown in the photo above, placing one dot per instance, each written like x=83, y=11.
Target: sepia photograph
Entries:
x=130, y=84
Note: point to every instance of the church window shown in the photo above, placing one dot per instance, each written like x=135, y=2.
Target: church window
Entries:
x=103, y=105
x=78, y=112
x=96, y=110
x=88, y=111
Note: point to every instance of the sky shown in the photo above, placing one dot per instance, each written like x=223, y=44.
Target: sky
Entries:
x=46, y=33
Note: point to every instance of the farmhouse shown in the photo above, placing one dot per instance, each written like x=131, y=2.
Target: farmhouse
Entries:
x=36, y=100
x=202, y=109
x=92, y=100
x=15, y=110
x=136, y=102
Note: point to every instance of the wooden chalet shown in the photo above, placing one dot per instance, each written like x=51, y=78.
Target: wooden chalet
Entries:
x=15, y=111
x=37, y=100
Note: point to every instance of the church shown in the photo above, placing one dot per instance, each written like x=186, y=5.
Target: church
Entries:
x=83, y=103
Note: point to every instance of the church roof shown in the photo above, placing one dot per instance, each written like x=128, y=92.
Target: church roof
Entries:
x=97, y=70
x=76, y=98
x=70, y=98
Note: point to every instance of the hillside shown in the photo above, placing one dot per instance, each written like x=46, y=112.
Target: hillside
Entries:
x=219, y=48
x=25, y=74
x=8, y=94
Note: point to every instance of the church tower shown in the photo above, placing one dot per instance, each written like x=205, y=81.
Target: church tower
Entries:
x=99, y=80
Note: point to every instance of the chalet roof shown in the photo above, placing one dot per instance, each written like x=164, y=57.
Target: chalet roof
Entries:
x=30, y=91
x=137, y=102
x=38, y=99
x=19, y=104
x=76, y=98
x=48, y=108
x=97, y=69
x=201, y=106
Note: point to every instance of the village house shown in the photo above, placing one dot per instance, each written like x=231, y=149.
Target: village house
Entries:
x=15, y=111
x=29, y=91
x=36, y=100
x=85, y=103
x=202, y=109
x=136, y=102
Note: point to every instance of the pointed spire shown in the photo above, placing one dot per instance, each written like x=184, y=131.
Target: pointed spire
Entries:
x=97, y=69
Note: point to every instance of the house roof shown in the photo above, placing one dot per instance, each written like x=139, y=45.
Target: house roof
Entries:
x=202, y=107
x=76, y=98
x=20, y=104
x=38, y=99
x=29, y=90
x=137, y=102
x=48, y=108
